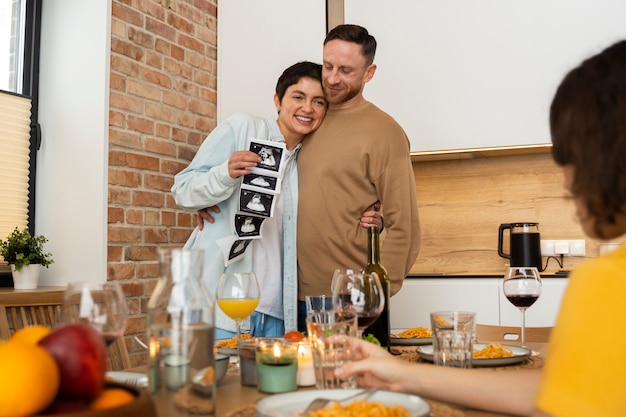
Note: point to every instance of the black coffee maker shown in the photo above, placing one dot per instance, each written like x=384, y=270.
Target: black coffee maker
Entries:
x=525, y=244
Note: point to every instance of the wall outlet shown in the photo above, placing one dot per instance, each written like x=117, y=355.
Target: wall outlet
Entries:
x=565, y=247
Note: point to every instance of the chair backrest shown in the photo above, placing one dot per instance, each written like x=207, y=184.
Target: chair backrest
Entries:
x=20, y=309
x=491, y=333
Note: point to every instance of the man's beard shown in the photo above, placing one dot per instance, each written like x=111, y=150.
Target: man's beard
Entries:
x=342, y=96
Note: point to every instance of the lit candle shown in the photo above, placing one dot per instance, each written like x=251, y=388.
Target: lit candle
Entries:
x=306, y=372
x=153, y=365
x=276, y=366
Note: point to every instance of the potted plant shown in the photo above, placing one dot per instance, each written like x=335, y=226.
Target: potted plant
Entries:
x=25, y=254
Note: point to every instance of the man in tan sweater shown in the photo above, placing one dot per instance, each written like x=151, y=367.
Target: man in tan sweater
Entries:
x=359, y=156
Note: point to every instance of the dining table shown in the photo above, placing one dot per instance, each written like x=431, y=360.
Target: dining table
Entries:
x=236, y=400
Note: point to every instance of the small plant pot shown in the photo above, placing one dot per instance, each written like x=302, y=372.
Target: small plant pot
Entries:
x=27, y=277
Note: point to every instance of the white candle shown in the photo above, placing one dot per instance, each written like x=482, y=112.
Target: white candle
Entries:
x=306, y=373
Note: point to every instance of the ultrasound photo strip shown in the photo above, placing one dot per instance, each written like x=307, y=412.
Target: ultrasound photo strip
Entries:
x=248, y=226
x=271, y=154
x=258, y=203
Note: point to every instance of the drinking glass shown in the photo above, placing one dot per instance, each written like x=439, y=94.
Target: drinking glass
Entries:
x=360, y=293
x=238, y=295
x=522, y=287
x=101, y=305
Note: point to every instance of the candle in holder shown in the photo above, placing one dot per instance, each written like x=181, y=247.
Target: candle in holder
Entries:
x=276, y=366
x=154, y=366
x=247, y=361
x=306, y=372
x=176, y=371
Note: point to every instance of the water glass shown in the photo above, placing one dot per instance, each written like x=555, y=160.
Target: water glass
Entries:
x=329, y=356
x=453, y=338
x=181, y=336
x=316, y=303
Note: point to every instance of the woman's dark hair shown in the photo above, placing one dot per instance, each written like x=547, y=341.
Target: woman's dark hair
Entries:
x=588, y=128
x=294, y=73
x=358, y=35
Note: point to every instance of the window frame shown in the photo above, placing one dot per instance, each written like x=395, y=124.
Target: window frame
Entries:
x=30, y=88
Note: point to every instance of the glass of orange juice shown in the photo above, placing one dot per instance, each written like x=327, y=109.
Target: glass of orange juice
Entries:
x=237, y=296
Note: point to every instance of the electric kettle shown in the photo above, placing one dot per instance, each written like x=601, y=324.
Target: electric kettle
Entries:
x=525, y=244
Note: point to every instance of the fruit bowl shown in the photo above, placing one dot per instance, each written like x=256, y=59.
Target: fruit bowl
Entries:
x=142, y=406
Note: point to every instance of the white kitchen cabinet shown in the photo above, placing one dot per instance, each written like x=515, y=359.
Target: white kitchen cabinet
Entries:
x=479, y=73
x=412, y=305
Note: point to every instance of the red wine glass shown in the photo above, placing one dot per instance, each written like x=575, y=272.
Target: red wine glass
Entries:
x=522, y=287
x=360, y=293
x=101, y=305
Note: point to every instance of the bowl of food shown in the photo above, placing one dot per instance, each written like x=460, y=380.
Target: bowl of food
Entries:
x=202, y=381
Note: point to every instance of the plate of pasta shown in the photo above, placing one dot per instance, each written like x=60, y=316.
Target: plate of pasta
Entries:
x=413, y=336
x=229, y=346
x=486, y=354
x=292, y=404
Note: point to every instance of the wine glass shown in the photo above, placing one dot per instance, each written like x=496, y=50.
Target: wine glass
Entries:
x=101, y=305
x=522, y=287
x=360, y=293
x=238, y=295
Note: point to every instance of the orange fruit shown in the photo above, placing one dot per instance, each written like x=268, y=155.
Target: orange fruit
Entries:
x=29, y=379
x=31, y=334
x=111, y=398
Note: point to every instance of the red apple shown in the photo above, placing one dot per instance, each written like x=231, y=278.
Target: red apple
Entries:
x=81, y=355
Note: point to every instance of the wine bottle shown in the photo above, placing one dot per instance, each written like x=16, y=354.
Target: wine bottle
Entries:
x=380, y=328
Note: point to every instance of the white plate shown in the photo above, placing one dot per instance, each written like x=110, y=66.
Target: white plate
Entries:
x=413, y=341
x=225, y=350
x=290, y=404
x=519, y=355
x=124, y=377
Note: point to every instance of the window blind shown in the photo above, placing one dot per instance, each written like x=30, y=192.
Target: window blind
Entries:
x=14, y=161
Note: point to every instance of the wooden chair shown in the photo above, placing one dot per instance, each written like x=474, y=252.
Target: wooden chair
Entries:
x=19, y=309
x=492, y=333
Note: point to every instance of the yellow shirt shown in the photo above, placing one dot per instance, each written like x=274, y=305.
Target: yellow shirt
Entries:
x=585, y=373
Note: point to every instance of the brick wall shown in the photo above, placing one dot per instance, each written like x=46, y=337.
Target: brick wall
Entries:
x=162, y=105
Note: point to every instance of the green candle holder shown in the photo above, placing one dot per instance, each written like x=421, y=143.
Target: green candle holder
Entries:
x=276, y=365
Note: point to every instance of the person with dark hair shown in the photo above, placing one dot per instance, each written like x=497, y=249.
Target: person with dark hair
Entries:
x=585, y=367
x=213, y=178
x=357, y=158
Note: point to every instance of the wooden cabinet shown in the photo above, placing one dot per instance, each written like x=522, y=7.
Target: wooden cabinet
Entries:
x=412, y=305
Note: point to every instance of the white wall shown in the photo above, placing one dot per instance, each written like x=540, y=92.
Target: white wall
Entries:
x=71, y=195
x=257, y=40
